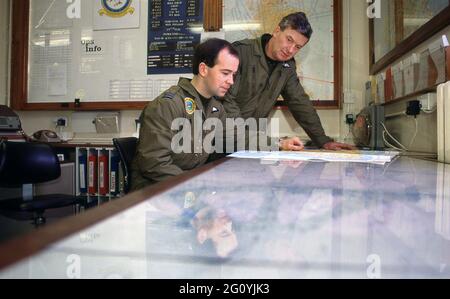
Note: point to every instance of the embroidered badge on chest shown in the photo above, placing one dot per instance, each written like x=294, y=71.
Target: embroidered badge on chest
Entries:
x=189, y=104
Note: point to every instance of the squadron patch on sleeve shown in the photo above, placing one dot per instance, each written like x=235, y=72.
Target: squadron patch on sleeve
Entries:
x=190, y=106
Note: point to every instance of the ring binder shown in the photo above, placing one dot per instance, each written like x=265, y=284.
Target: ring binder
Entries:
x=98, y=172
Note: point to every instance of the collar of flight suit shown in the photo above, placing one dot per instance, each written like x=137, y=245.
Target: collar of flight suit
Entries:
x=187, y=86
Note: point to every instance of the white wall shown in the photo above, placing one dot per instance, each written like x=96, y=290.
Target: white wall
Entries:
x=4, y=50
x=38, y=120
x=356, y=60
x=403, y=128
x=332, y=120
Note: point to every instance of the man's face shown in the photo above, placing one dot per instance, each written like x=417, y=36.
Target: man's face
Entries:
x=219, y=228
x=220, y=78
x=286, y=44
x=222, y=235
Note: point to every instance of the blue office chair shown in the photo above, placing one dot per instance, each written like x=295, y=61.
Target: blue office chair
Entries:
x=127, y=149
x=26, y=163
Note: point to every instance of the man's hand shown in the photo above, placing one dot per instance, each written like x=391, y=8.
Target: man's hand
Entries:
x=291, y=144
x=336, y=146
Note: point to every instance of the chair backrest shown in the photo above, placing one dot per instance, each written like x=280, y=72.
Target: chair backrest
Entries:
x=2, y=153
x=28, y=163
x=127, y=149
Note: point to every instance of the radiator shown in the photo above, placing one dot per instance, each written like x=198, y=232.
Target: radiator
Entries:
x=442, y=207
x=443, y=122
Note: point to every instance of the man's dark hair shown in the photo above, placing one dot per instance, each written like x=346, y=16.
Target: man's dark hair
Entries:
x=298, y=22
x=208, y=51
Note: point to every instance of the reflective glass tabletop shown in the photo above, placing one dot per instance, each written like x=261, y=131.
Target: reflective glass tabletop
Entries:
x=257, y=219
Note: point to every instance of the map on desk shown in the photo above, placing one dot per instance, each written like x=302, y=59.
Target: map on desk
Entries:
x=374, y=157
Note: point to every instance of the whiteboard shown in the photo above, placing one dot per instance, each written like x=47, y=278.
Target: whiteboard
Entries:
x=61, y=70
x=69, y=59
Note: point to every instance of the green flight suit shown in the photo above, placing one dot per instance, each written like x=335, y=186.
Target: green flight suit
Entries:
x=254, y=93
x=154, y=160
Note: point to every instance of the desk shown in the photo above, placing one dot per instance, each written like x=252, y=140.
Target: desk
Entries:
x=246, y=219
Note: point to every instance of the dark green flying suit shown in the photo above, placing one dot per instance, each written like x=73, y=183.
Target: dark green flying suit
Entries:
x=154, y=160
x=254, y=93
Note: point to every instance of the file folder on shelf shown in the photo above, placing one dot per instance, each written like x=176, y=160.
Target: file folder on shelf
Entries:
x=82, y=171
x=114, y=177
x=388, y=86
x=93, y=172
x=103, y=173
x=98, y=172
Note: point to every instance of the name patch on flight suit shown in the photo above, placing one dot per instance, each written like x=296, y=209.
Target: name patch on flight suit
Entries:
x=189, y=104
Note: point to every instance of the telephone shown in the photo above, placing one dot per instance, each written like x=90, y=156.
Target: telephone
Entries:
x=46, y=136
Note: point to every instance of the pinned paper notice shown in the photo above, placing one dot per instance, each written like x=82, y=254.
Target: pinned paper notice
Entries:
x=57, y=80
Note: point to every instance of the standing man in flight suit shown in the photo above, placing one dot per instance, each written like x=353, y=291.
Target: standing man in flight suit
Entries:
x=267, y=70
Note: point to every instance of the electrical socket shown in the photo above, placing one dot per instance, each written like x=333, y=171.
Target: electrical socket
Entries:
x=428, y=101
x=349, y=119
x=413, y=108
x=61, y=121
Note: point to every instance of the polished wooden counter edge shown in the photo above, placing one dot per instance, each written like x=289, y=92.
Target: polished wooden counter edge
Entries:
x=74, y=145
x=17, y=249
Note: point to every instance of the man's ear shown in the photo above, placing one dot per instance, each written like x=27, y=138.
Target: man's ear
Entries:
x=202, y=69
x=277, y=30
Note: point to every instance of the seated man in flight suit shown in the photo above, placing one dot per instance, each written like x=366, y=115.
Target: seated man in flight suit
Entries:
x=214, y=66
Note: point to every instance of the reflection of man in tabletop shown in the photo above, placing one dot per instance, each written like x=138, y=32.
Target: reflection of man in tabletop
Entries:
x=267, y=70
x=211, y=225
x=217, y=227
